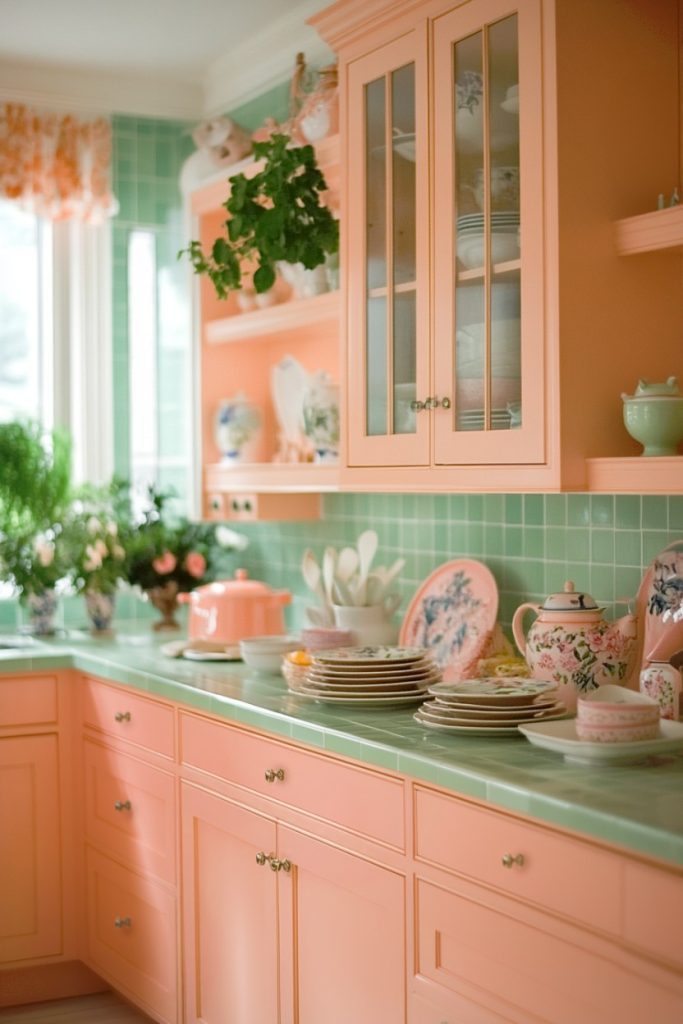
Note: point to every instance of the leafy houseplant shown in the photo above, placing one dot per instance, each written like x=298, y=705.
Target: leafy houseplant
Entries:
x=274, y=215
x=171, y=556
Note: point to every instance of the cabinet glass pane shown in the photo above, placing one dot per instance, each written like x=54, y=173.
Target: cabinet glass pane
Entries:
x=403, y=173
x=404, y=363
x=376, y=174
x=487, y=230
x=376, y=362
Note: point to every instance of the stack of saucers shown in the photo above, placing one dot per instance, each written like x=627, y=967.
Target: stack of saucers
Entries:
x=370, y=676
x=489, y=707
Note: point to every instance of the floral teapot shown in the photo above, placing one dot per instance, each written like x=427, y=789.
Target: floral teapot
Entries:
x=570, y=643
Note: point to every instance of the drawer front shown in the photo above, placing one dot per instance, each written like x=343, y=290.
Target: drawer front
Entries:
x=559, y=873
x=128, y=716
x=471, y=944
x=29, y=701
x=130, y=810
x=357, y=799
x=451, y=1009
x=131, y=936
x=648, y=893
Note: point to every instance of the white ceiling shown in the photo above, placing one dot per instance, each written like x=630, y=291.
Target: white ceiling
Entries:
x=175, y=57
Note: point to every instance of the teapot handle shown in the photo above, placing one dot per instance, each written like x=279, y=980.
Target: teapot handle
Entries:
x=517, y=629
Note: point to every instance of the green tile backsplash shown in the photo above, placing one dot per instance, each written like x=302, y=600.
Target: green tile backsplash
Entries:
x=532, y=543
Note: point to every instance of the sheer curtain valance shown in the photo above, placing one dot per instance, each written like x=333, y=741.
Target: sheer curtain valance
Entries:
x=55, y=165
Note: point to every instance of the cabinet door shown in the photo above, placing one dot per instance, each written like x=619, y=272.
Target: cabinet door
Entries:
x=488, y=237
x=342, y=936
x=230, y=912
x=388, y=317
x=30, y=866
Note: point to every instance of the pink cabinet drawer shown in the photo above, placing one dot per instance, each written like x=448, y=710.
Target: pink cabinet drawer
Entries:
x=28, y=701
x=526, y=966
x=130, y=810
x=132, y=935
x=653, y=911
x=355, y=798
x=565, y=875
x=128, y=716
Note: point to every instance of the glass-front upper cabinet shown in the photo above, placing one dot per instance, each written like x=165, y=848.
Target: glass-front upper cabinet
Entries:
x=487, y=219
x=388, y=350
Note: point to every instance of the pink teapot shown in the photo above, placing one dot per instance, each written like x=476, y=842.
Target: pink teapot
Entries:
x=570, y=643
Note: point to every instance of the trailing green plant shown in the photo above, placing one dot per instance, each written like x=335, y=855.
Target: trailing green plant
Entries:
x=35, y=477
x=274, y=215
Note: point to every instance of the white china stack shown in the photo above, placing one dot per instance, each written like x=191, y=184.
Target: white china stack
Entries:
x=369, y=676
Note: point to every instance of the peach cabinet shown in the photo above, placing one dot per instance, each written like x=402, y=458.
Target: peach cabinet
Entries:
x=128, y=780
x=281, y=926
x=237, y=350
x=490, y=325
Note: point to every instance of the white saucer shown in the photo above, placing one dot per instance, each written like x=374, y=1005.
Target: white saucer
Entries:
x=229, y=654
x=561, y=737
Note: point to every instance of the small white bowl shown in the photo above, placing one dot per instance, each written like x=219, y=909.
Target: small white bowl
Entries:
x=264, y=653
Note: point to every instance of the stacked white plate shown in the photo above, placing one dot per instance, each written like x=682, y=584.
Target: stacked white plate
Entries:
x=473, y=223
x=490, y=706
x=370, y=676
x=473, y=419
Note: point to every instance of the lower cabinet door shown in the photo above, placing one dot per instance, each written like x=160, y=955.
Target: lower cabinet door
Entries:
x=342, y=935
x=132, y=935
x=229, y=912
x=30, y=863
x=529, y=967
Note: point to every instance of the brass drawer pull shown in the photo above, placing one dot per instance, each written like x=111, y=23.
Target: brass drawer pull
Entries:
x=122, y=805
x=122, y=716
x=271, y=775
x=509, y=860
x=280, y=865
x=122, y=922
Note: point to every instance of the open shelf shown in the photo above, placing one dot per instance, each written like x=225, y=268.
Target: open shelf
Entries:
x=302, y=315
x=498, y=269
x=636, y=475
x=648, y=232
x=272, y=477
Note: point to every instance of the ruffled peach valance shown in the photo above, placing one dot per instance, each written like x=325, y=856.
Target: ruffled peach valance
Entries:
x=55, y=165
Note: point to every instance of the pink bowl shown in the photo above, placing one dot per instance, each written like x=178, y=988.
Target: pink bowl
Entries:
x=613, y=714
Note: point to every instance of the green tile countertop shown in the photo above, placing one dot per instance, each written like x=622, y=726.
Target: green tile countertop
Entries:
x=638, y=807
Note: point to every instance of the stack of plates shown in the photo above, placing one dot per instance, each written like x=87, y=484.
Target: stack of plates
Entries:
x=370, y=676
x=489, y=707
x=473, y=419
x=501, y=220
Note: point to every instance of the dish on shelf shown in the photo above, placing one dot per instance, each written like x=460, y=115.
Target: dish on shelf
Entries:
x=229, y=654
x=504, y=246
x=289, y=383
x=452, y=615
x=369, y=656
x=560, y=737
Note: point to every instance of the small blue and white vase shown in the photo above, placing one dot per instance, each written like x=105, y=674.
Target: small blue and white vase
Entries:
x=321, y=417
x=42, y=608
x=100, y=608
x=237, y=424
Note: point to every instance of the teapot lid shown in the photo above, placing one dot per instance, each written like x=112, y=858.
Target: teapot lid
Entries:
x=569, y=600
x=240, y=586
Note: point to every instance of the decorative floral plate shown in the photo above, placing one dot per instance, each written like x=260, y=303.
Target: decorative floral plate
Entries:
x=660, y=596
x=452, y=615
x=493, y=691
x=369, y=654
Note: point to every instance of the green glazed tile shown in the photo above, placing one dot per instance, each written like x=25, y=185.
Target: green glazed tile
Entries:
x=513, y=509
x=556, y=543
x=514, y=540
x=534, y=510
x=627, y=547
x=578, y=509
x=602, y=546
x=655, y=512
x=627, y=511
x=457, y=506
x=654, y=541
x=494, y=540
x=578, y=544
x=475, y=507
x=601, y=583
x=494, y=505
x=556, y=509
x=676, y=513
x=534, y=542
x=602, y=509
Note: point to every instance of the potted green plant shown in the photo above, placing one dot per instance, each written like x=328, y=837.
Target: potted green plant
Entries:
x=95, y=537
x=171, y=555
x=35, y=487
x=275, y=215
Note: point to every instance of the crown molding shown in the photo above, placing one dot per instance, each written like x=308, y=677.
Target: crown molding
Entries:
x=98, y=92
x=264, y=60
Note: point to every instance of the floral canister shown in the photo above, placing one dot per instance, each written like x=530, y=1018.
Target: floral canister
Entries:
x=100, y=608
x=321, y=417
x=42, y=609
x=237, y=424
x=662, y=682
x=571, y=644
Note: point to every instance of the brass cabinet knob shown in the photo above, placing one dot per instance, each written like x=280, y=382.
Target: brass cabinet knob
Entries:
x=122, y=805
x=261, y=858
x=417, y=406
x=436, y=403
x=280, y=865
x=122, y=922
x=122, y=716
x=509, y=860
x=271, y=774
